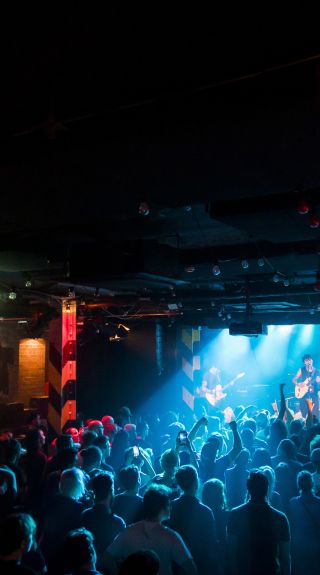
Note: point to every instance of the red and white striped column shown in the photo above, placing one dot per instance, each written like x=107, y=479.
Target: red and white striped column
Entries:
x=62, y=369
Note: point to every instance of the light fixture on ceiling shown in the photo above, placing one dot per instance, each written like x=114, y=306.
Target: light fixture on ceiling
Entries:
x=303, y=207
x=144, y=209
x=286, y=282
x=260, y=262
x=276, y=278
x=28, y=283
x=216, y=270
x=314, y=221
x=245, y=264
x=12, y=295
x=71, y=293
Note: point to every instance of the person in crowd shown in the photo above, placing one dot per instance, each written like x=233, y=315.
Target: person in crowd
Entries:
x=63, y=441
x=96, y=426
x=79, y=555
x=236, y=479
x=261, y=457
x=16, y=537
x=146, y=562
x=214, y=497
x=100, y=519
x=103, y=443
x=150, y=534
x=143, y=434
x=123, y=416
x=87, y=438
x=62, y=515
x=315, y=460
x=258, y=535
x=119, y=446
x=169, y=463
x=273, y=496
x=10, y=457
x=33, y=463
x=90, y=460
x=195, y=522
x=250, y=423
x=278, y=431
x=128, y=504
x=66, y=459
x=304, y=515
x=209, y=465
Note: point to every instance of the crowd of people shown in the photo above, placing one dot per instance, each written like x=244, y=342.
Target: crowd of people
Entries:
x=162, y=494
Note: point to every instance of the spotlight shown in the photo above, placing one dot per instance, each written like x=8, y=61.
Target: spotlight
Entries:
x=260, y=262
x=276, y=278
x=314, y=221
x=144, y=209
x=12, y=295
x=115, y=337
x=245, y=264
x=216, y=270
x=28, y=283
x=189, y=269
x=303, y=207
x=286, y=282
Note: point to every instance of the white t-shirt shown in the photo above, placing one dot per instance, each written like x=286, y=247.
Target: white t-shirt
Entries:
x=151, y=535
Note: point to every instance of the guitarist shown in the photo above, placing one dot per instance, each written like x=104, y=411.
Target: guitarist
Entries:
x=310, y=377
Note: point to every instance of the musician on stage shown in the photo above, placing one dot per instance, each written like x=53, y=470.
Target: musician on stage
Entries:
x=211, y=379
x=307, y=381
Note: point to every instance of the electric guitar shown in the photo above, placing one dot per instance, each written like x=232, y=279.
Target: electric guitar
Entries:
x=303, y=387
x=215, y=395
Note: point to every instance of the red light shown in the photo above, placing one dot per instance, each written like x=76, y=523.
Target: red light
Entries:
x=303, y=207
x=314, y=221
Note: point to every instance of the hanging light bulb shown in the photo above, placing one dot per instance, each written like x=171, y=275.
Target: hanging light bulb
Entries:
x=216, y=270
x=12, y=295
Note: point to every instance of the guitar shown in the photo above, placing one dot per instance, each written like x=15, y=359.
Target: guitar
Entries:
x=303, y=387
x=215, y=395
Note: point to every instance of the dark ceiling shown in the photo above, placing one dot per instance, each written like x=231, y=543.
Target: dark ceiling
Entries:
x=216, y=143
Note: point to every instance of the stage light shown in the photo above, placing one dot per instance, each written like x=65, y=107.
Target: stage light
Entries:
x=245, y=264
x=314, y=221
x=115, y=337
x=303, y=207
x=12, y=295
x=144, y=209
x=28, y=283
x=276, y=278
x=216, y=270
x=286, y=282
x=285, y=329
x=189, y=269
x=122, y=326
x=260, y=262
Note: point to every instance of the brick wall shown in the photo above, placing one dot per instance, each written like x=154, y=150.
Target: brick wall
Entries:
x=32, y=369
